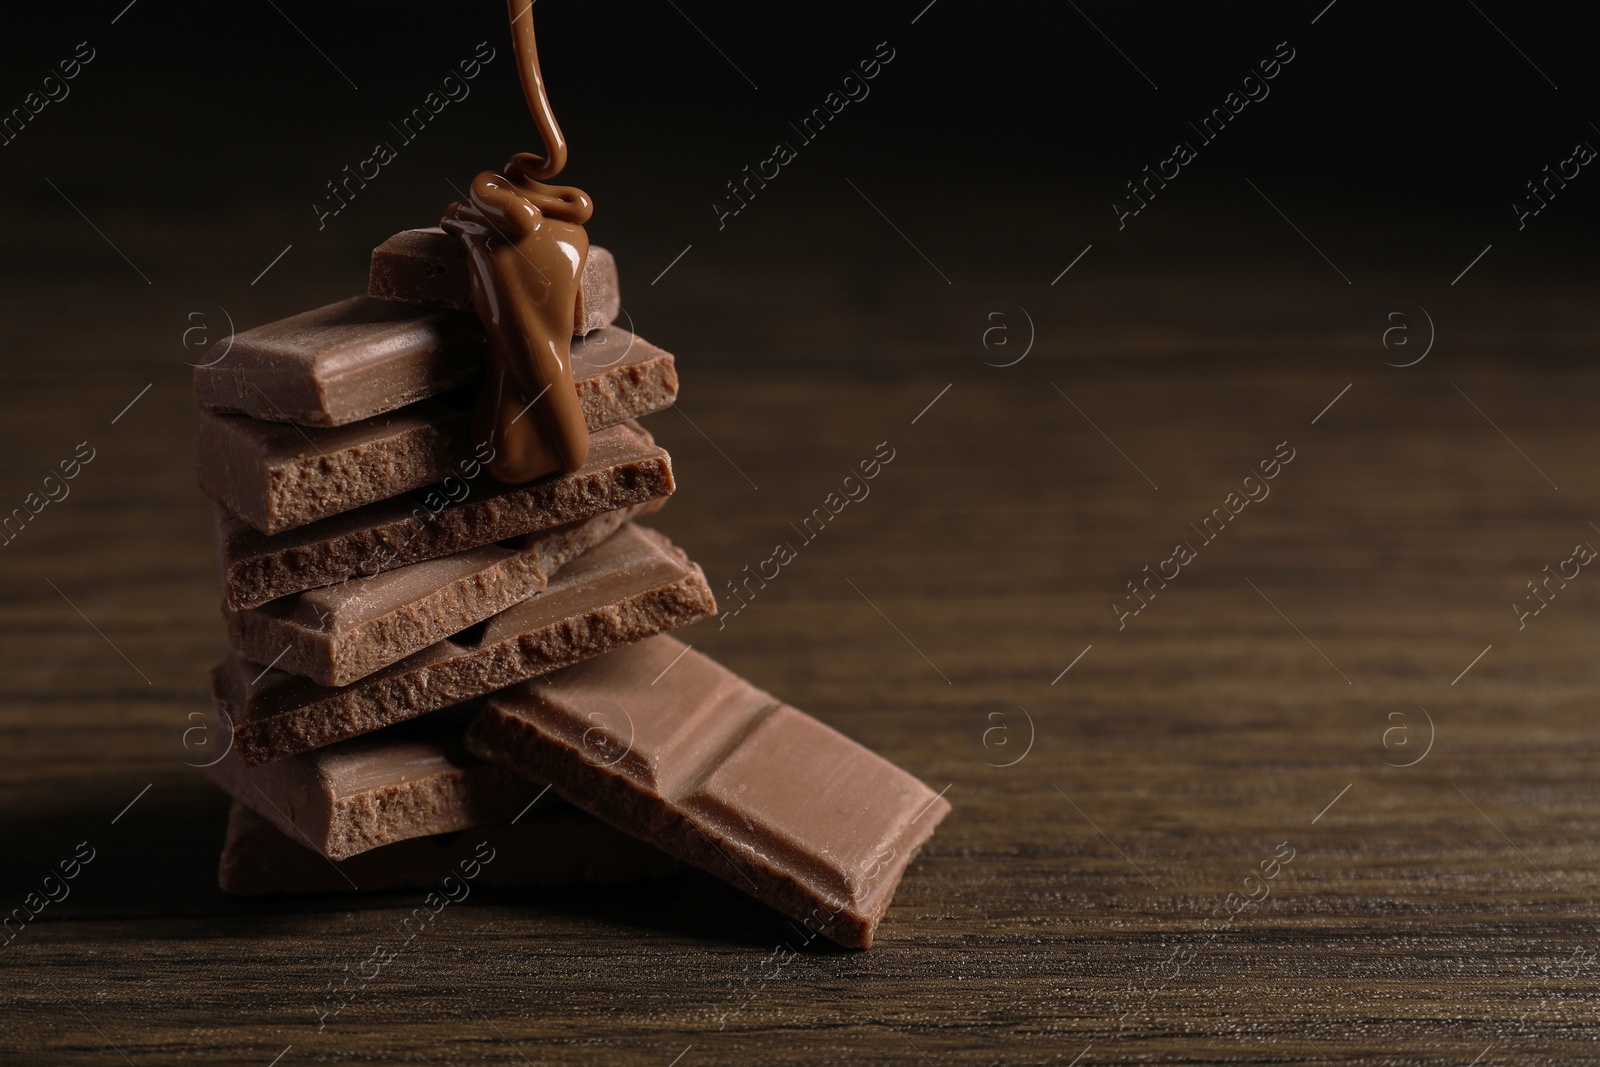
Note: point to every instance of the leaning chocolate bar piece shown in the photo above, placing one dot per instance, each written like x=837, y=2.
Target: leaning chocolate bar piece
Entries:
x=662, y=742
x=410, y=780
x=277, y=476
x=342, y=363
x=362, y=357
x=340, y=633
x=558, y=847
x=430, y=267
x=624, y=468
x=631, y=586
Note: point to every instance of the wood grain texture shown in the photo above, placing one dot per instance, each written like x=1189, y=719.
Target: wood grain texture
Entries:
x=1441, y=913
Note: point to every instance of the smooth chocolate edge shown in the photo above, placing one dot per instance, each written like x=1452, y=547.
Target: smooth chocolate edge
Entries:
x=325, y=721
x=247, y=382
x=341, y=657
x=277, y=496
x=505, y=738
x=259, y=579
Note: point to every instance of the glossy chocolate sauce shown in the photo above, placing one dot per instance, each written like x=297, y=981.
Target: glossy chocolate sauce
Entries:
x=526, y=244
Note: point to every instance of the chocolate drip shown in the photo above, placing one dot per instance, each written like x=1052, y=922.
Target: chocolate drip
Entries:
x=526, y=245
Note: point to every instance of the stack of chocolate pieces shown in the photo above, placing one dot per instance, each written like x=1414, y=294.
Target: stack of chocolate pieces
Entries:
x=419, y=651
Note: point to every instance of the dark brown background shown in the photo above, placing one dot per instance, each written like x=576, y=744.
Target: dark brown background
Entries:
x=1441, y=913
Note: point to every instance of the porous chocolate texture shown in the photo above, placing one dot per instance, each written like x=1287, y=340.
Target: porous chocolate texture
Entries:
x=413, y=779
x=633, y=585
x=341, y=633
x=624, y=468
x=277, y=476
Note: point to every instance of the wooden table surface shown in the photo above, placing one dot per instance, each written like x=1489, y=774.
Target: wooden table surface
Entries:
x=1325, y=798
x=1337, y=676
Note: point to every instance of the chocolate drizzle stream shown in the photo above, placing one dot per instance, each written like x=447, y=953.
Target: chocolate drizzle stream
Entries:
x=527, y=246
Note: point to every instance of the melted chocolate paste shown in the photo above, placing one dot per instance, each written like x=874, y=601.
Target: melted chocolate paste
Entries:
x=526, y=244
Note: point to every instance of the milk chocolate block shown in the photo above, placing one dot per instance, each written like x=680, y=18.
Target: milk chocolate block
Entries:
x=558, y=847
x=342, y=363
x=632, y=586
x=430, y=267
x=661, y=742
x=278, y=476
x=362, y=357
x=624, y=468
x=410, y=780
x=340, y=633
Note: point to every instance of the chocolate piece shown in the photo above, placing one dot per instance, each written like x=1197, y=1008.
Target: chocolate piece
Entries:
x=662, y=742
x=410, y=780
x=625, y=468
x=631, y=586
x=362, y=357
x=558, y=847
x=342, y=363
x=340, y=633
x=430, y=267
x=277, y=476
